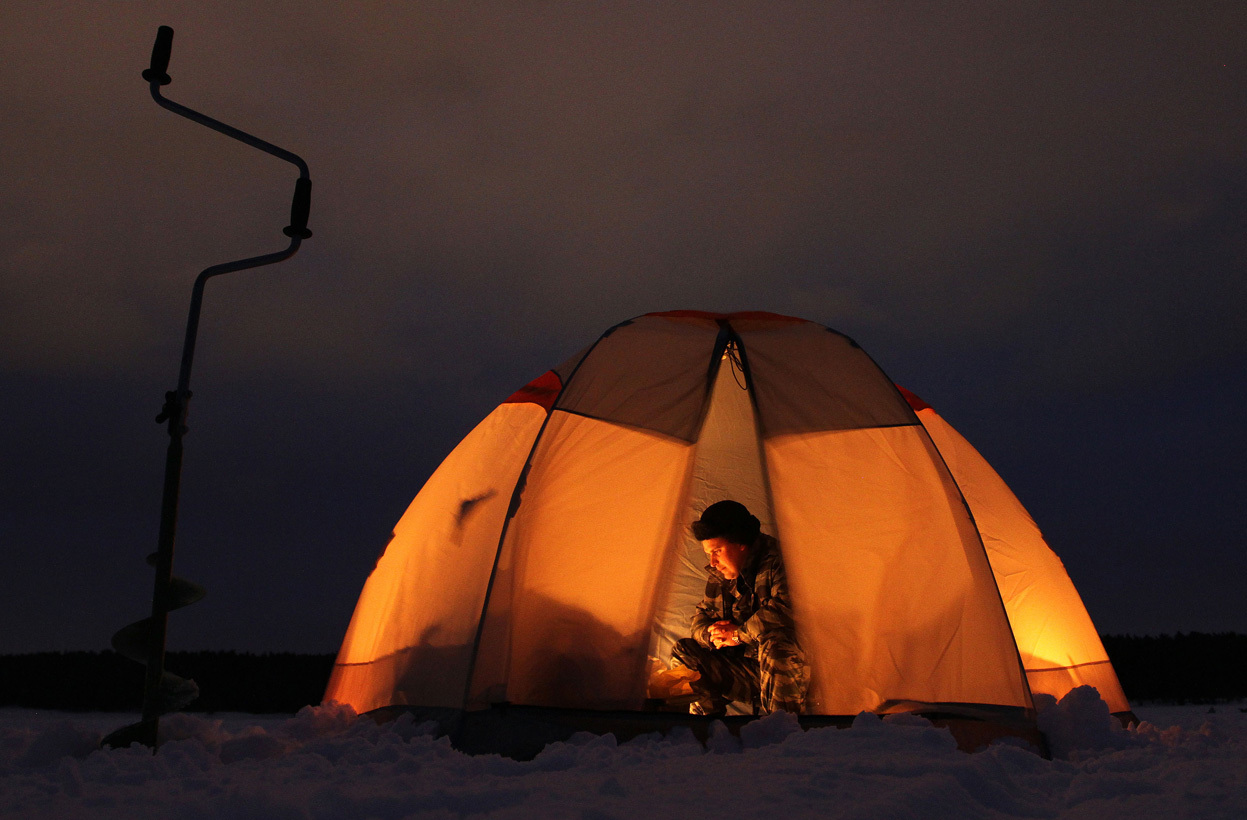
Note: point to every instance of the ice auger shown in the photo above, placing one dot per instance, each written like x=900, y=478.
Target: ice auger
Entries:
x=144, y=640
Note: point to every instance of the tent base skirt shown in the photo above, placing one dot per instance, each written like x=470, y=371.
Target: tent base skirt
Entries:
x=521, y=732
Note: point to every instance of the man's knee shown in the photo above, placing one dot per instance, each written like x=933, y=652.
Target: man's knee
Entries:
x=688, y=652
x=779, y=649
x=781, y=659
x=785, y=676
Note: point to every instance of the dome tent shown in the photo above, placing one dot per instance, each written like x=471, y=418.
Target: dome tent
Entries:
x=547, y=563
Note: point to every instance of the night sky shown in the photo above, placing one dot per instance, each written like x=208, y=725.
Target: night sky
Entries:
x=1035, y=219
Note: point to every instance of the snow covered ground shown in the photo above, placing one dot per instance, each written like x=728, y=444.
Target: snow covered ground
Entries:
x=323, y=763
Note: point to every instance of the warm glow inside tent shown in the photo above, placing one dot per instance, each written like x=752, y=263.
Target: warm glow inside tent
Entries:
x=548, y=561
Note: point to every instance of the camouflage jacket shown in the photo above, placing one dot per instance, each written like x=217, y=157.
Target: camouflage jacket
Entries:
x=756, y=601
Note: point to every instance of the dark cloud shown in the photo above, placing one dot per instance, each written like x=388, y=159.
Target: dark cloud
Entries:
x=1018, y=211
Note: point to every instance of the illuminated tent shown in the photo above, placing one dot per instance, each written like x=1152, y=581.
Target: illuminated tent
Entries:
x=547, y=562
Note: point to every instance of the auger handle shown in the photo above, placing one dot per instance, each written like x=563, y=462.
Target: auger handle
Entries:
x=300, y=207
x=159, y=71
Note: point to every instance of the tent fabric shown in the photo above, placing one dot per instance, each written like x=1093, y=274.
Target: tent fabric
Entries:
x=830, y=385
x=584, y=555
x=666, y=396
x=548, y=562
x=891, y=589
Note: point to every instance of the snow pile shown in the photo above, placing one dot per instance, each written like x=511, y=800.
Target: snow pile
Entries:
x=1080, y=722
x=325, y=763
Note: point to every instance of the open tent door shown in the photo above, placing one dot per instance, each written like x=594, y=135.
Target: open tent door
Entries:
x=727, y=464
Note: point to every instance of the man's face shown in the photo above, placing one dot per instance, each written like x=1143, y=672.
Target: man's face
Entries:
x=726, y=556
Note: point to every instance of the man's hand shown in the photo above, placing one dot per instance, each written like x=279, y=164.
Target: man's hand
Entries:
x=724, y=633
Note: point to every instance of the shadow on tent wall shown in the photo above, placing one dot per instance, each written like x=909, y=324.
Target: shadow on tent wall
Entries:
x=560, y=655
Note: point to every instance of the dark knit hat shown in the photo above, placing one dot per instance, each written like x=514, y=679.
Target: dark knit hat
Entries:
x=727, y=519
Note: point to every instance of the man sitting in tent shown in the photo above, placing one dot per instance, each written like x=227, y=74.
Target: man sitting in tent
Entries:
x=743, y=644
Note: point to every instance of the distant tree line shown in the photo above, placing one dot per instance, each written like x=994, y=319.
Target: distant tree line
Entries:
x=107, y=682
x=1184, y=668
x=1194, y=667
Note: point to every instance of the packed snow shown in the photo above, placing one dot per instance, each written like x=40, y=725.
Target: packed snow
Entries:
x=326, y=763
